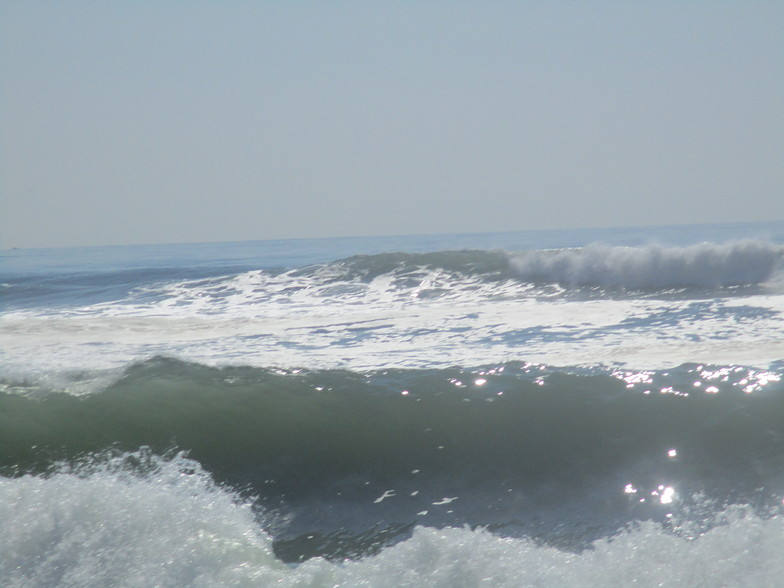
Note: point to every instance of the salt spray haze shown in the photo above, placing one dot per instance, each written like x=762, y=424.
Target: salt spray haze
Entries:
x=581, y=408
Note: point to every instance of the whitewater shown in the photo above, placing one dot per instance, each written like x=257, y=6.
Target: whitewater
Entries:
x=545, y=408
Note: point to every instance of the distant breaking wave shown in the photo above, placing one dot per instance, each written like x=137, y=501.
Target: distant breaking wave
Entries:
x=397, y=279
x=653, y=267
x=638, y=268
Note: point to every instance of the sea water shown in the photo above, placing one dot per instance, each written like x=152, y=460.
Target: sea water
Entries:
x=541, y=408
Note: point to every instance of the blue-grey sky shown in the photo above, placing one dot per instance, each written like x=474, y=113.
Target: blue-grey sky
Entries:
x=154, y=122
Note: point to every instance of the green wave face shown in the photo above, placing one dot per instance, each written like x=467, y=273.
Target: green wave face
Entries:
x=349, y=456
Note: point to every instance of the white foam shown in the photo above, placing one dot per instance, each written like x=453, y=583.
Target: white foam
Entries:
x=706, y=264
x=744, y=552
x=108, y=527
x=262, y=295
x=105, y=525
x=642, y=333
x=427, y=317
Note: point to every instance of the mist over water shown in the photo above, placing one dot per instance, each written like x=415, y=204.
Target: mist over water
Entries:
x=581, y=409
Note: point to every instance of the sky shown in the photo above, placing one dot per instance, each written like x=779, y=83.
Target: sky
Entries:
x=161, y=122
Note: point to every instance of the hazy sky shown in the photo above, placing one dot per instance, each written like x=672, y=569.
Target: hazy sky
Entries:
x=153, y=122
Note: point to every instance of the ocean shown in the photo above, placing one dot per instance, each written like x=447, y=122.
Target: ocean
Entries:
x=598, y=407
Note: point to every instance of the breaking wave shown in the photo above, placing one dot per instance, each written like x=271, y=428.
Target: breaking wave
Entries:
x=397, y=280
x=350, y=462
x=137, y=519
x=654, y=267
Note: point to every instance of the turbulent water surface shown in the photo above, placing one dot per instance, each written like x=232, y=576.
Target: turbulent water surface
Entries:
x=581, y=408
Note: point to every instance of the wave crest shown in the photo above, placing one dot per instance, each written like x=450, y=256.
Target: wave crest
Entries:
x=653, y=266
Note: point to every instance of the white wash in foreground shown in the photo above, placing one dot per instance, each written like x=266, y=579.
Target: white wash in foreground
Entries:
x=173, y=527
